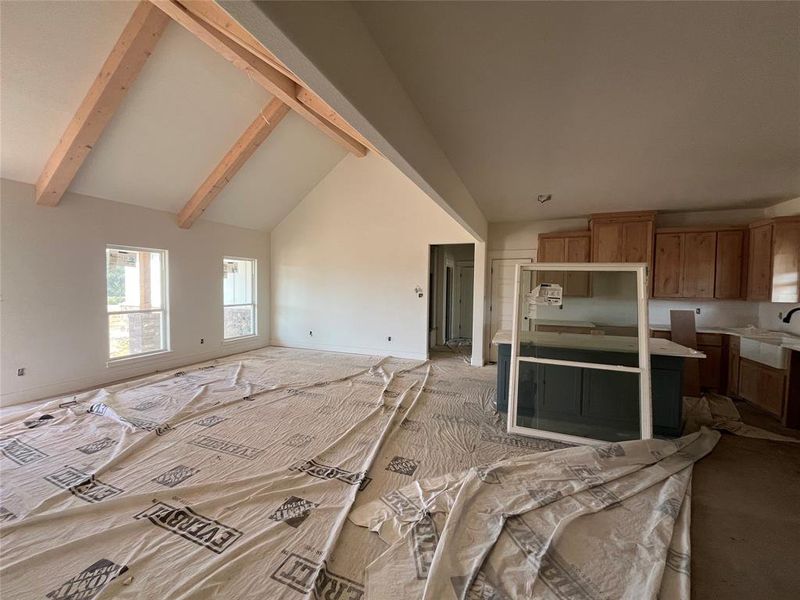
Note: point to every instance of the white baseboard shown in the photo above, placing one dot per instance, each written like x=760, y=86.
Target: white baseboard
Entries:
x=120, y=373
x=306, y=345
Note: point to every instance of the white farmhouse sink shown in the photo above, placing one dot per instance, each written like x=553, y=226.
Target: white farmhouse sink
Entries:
x=765, y=351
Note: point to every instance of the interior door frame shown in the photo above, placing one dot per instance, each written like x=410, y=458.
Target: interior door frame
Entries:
x=457, y=299
x=643, y=370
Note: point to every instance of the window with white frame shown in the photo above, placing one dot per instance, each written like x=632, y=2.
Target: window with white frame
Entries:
x=136, y=299
x=239, y=297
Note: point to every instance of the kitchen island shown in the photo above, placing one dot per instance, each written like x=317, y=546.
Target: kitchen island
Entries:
x=592, y=402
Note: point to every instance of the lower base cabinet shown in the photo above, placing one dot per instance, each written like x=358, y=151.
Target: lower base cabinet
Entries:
x=762, y=385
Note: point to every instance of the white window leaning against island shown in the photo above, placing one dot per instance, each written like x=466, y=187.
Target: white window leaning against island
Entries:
x=136, y=299
x=239, y=297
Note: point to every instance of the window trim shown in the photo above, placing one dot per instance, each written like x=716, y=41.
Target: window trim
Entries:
x=253, y=303
x=164, y=310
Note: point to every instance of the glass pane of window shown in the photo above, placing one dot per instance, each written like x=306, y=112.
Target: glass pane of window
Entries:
x=135, y=333
x=579, y=401
x=133, y=279
x=237, y=281
x=239, y=321
x=596, y=320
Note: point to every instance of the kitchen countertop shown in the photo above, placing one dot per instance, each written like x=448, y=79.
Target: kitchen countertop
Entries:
x=765, y=336
x=610, y=343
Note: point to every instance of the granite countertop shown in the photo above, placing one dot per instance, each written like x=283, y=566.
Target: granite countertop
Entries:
x=610, y=343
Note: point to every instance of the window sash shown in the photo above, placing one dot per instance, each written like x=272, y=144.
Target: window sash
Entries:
x=163, y=309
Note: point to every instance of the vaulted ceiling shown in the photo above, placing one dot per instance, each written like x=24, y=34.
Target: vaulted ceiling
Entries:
x=606, y=106
x=177, y=121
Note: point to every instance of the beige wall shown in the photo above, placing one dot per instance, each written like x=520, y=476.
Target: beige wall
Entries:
x=346, y=261
x=52, y=274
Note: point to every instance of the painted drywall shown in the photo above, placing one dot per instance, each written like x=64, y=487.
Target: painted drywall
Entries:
x=347, y=260
x=52, y=276
x=345, y=67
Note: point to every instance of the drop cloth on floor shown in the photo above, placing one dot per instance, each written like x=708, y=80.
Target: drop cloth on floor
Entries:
x=234, y=479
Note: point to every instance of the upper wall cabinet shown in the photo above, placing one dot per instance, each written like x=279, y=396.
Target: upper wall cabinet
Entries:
x=566, y=247
x=692, y=263
x=774, y=260
x=623, y=237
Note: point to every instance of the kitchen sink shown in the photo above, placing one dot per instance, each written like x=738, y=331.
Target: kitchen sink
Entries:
x=766, y=351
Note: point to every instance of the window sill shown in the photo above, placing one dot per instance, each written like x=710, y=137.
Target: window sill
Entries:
x=128, y=360
x=236, y=340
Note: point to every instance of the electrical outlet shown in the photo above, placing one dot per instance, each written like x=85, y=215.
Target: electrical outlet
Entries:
x=202, y=340
x=780, y=316
x=21, y=372
x=697, y=310
x=389, y=338
x=311, y=333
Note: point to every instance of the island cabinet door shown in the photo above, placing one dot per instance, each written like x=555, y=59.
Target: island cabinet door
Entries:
x=699, y=260
x=733, y=365
x=610, y=396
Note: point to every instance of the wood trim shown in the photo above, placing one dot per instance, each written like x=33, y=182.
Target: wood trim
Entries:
x=643, y=215
x=245, y=146
x=701, y=229
x=133, y=48
x=564, y=234
x=259, y=70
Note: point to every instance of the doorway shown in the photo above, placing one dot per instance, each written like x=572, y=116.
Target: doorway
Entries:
x=450, y=306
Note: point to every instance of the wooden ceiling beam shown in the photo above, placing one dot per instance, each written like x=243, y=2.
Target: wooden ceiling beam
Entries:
x=214, y=15
x=245, y=146
x=119, y=71
x=259, y=70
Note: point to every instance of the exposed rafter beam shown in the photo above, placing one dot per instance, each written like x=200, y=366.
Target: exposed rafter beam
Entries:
x=214, y=15
x=245, y=146
x=121, y=68
x=259, y=70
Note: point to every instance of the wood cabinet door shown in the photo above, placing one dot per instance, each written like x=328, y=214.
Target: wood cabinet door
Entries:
x=733, y=366
x=786, y=262
x=637, y=237
x=771, y=390
x=578, y=250
x=711, y=368
x=699, y=260
x=551, y=250
x=748, y=380
x=667, y=272
x=759, y=274
x=607, y=242
x=728, y=277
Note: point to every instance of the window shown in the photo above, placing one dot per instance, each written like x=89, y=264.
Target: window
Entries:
x=136, y=294
x=239, y=297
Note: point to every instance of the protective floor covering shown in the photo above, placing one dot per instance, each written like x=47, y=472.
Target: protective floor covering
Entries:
x=234, y=479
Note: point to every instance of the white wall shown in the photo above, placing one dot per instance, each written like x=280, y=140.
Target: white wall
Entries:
x=52, y=276
x=346, y=261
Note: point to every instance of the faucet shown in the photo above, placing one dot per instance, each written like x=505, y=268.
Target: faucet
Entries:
x=789, y=314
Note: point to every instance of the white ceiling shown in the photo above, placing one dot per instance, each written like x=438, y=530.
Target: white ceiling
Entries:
x=606, y=106
x=185, y=110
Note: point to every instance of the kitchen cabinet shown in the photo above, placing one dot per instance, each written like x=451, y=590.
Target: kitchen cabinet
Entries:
x=774, y=260
x=705, y=263
x=733, y=365
x=730, y=272
x=566, y=247
x=711, y=369
x=762, y=385
x=623, y=237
